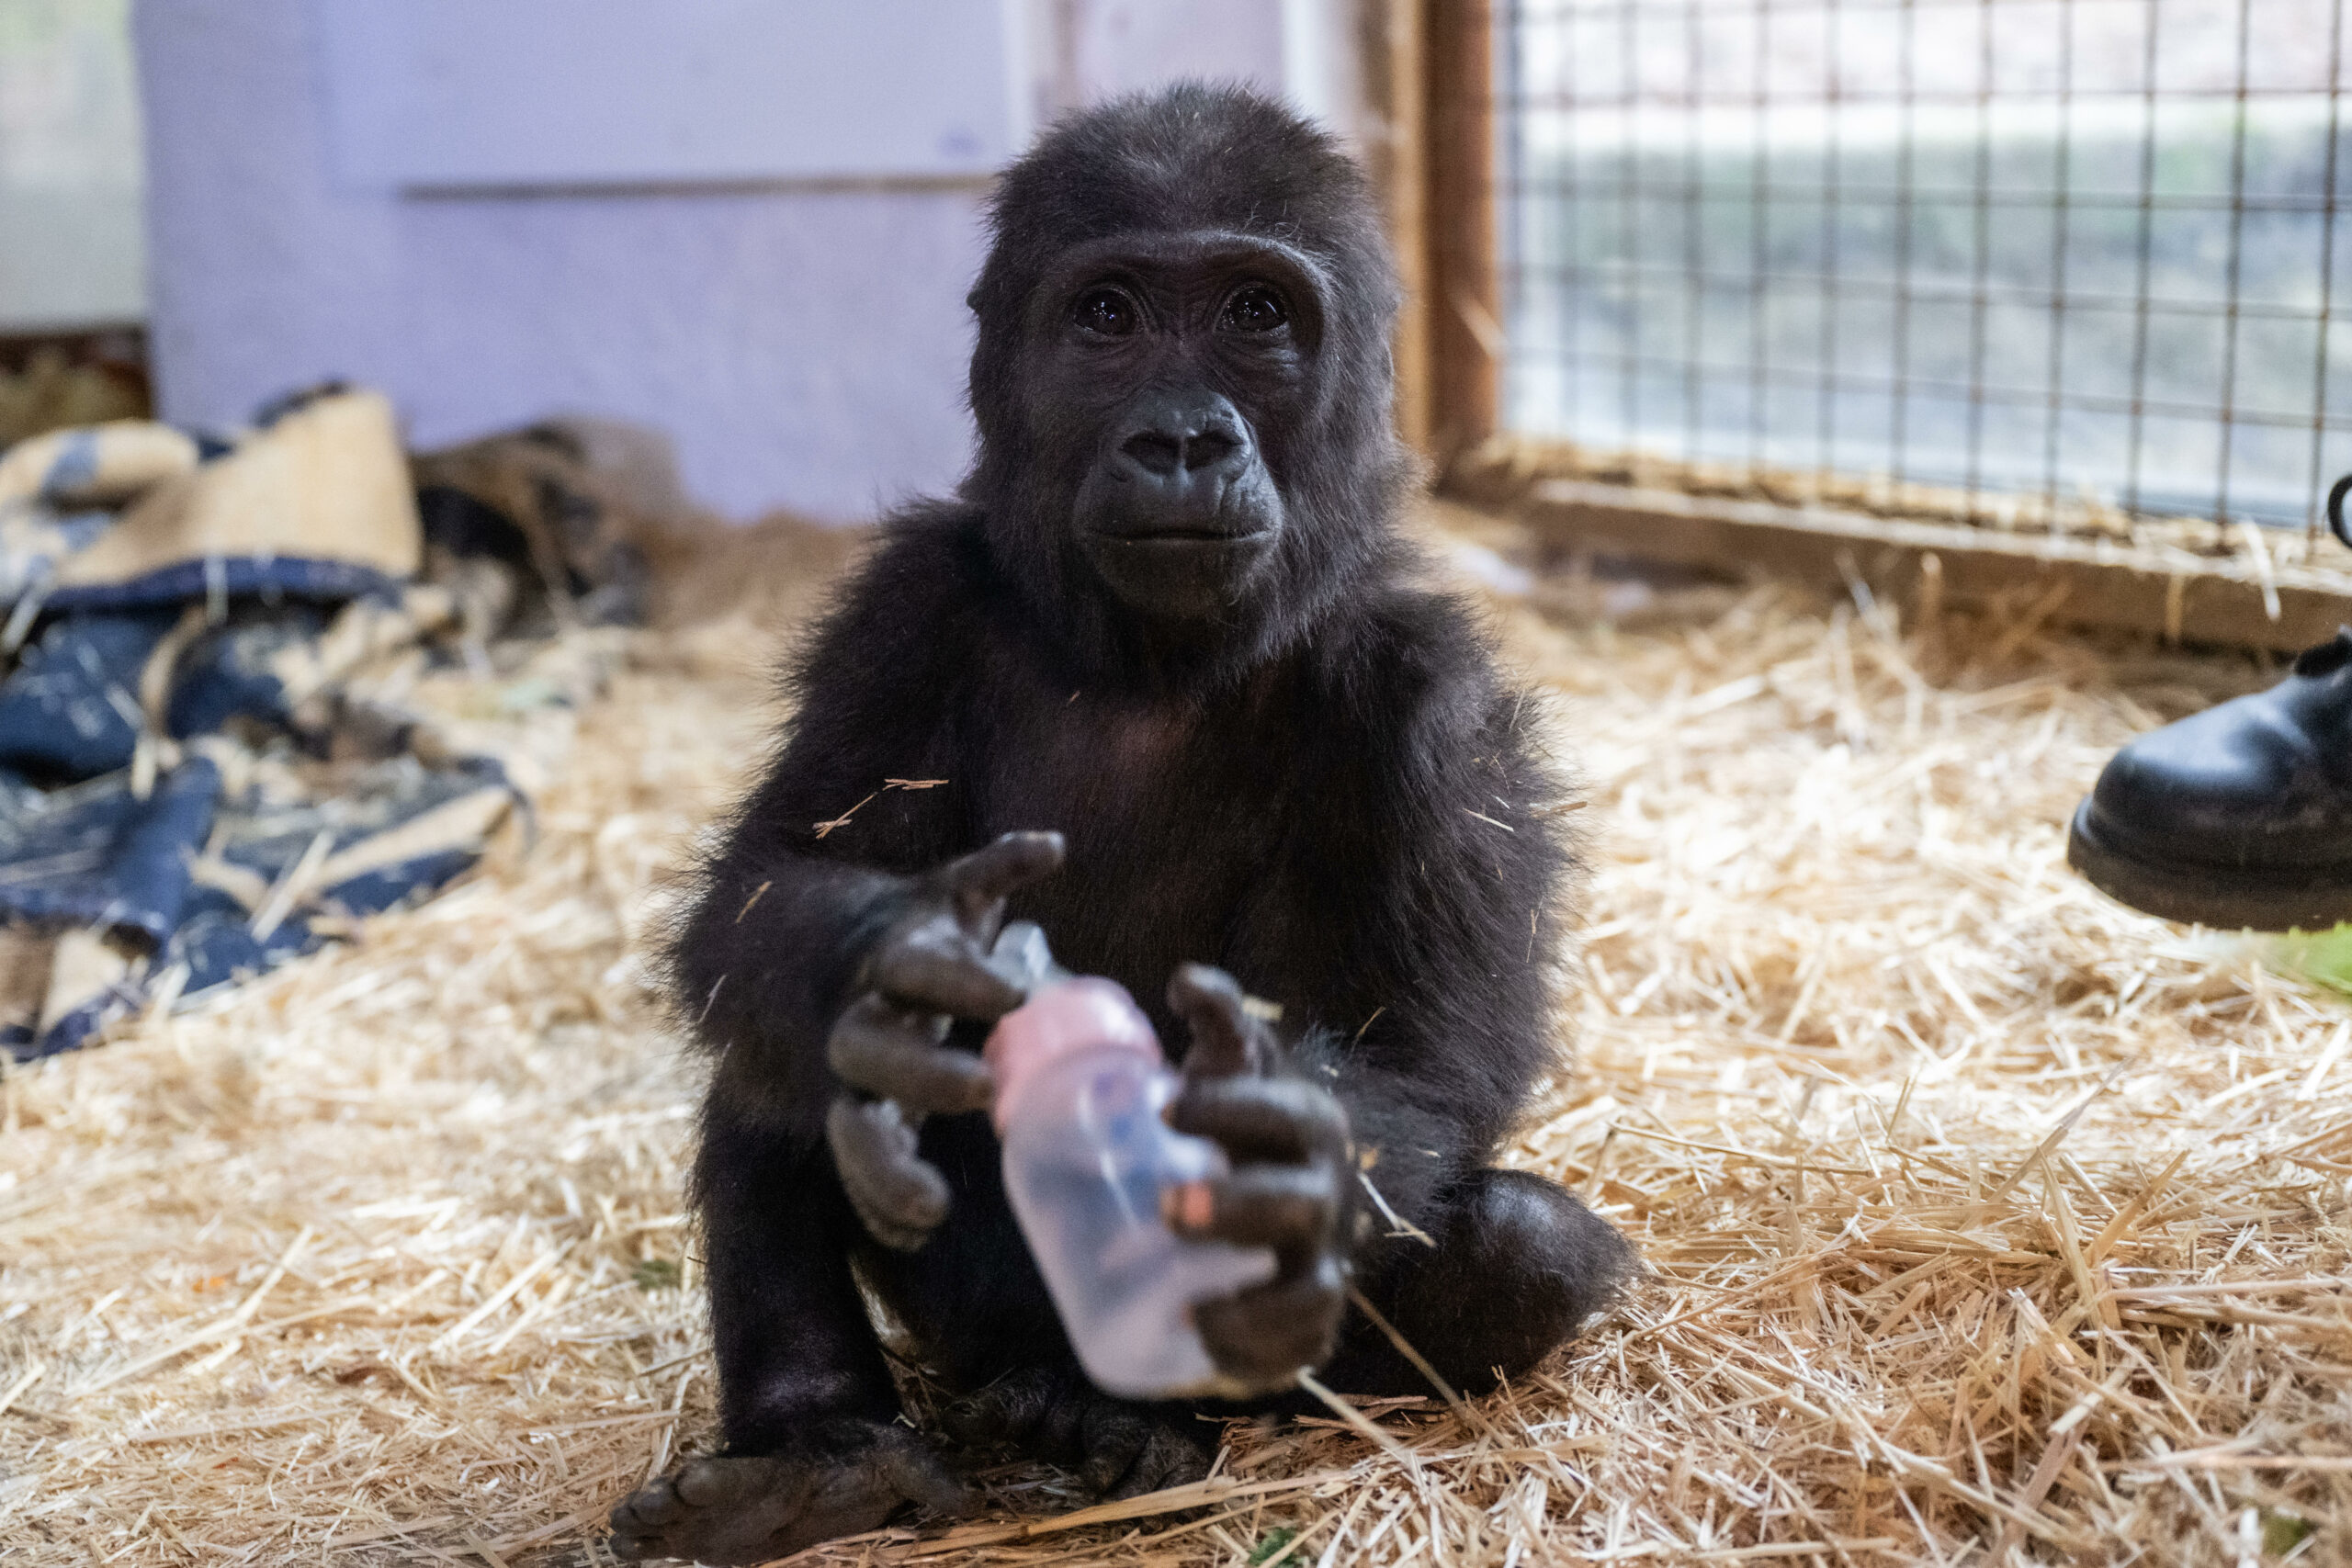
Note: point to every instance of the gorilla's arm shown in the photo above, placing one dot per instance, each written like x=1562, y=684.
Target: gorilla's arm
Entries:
x=1449, y=932
x=833, y=942
x=1408, y=934
x=823, y=854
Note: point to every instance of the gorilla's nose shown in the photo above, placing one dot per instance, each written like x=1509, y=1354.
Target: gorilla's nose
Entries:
x=1166, y=453
x=1179, y=451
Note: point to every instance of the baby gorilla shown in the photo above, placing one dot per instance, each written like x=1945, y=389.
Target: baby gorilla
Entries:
x=1168, y=616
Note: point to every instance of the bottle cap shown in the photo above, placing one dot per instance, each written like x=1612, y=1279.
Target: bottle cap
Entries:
x=1067, y=1015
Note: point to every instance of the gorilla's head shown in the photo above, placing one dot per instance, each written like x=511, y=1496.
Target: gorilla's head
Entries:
x=1183, y=380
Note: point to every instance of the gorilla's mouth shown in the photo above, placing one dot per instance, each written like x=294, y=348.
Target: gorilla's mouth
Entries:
x=1186, y=568
x=1181, y=536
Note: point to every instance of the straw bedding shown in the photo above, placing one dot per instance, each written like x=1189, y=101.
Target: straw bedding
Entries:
x=1985, y=1218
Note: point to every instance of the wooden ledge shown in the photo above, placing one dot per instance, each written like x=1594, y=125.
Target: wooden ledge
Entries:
x=2242, y=600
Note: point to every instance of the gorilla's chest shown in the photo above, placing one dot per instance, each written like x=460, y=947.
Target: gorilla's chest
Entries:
x=1174, y=815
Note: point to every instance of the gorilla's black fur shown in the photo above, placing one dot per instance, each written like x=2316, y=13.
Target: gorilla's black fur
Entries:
x=1168, y=618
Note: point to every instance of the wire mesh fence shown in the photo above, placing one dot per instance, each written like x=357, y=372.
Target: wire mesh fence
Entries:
x=2078, y=249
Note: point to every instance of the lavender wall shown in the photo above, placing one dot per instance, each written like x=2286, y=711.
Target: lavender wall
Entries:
x=804, y=345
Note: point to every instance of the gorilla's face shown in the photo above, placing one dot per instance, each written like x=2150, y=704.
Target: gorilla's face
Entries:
x=1167, y=373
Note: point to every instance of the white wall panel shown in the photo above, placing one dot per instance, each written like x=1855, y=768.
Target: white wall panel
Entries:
x=453, y=94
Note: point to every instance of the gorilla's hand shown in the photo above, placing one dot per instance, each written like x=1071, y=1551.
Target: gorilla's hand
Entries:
x=1288, y=1141
x=928, y=968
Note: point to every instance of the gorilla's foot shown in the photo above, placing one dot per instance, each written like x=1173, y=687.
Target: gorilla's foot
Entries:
x=1117, y=1447
x=752, y=1508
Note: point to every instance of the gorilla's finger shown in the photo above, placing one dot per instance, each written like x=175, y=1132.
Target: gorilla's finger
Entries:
x=935, y=968
x=1226, y=1039
x=979, y=881
x=1262, y=1336
x=898, y=1055
x=1281, y=1120
x=1281, y=1206
x=898, y=1195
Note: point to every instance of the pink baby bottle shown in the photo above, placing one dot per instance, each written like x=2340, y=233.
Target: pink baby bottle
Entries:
x=1091, y=1166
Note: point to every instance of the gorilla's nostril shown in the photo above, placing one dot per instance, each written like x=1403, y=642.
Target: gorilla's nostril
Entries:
x=1208, y=449
x=1157, y=453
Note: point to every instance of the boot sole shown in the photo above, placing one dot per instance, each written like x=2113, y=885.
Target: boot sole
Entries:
x=2228, y=899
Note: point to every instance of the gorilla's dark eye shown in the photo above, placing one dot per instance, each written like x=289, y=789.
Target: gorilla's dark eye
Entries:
x=1105, y=312
x=1255, y=309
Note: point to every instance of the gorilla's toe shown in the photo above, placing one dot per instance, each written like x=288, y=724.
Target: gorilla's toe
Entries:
x=1119, y=1449
x=742, y=1508
x=1168, y=1456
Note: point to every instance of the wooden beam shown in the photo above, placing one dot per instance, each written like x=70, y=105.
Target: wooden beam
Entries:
x=2072, y=581
x=1391, y=33
x=1464, y=290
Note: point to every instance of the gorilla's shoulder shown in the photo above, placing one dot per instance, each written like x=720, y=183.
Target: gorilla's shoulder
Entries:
x=1411, y=655
x=928, y=558
x=932, y=551
x=914, y=599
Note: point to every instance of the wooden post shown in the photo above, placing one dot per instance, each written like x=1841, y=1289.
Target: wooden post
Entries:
x=1464, y=290
x=1391, y=34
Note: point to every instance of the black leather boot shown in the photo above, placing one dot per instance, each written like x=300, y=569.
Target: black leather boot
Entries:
x=2240, y=816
